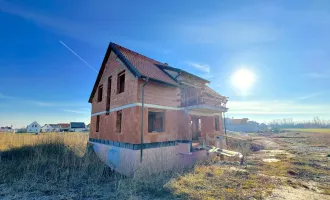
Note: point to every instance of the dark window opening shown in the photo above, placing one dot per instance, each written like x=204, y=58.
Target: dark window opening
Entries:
x=100, y=93
x=97, y=123
x=118, y=121
x=108, y=95
x=121, y=82
x=156, y=122
x=216, y=118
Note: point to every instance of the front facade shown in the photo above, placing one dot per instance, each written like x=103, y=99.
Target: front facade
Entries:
x=34, y=127
x=178, y=108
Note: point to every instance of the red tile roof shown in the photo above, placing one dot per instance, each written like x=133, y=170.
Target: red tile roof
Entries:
x=64, y=125
x=144, y=65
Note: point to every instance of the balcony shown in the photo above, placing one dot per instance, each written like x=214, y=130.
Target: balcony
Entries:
x=206, y=100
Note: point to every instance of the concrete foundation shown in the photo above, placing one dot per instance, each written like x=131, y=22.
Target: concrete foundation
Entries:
x=127, y=161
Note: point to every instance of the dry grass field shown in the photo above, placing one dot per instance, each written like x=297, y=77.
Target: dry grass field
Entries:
x=76, y=141
x=58, y=166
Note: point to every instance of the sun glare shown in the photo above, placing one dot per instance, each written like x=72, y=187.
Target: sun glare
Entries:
x=243, y=79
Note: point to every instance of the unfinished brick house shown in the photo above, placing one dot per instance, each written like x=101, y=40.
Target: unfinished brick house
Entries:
x=144, y=110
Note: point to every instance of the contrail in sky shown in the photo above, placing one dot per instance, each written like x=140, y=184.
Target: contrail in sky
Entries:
x=78, y=56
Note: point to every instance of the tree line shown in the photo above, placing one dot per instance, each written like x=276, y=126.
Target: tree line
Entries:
x=316, y=122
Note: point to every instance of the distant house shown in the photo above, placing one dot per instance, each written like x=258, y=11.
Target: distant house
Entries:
x=50, y=128
x=34, y=127
x=77, y=127
x=243, y=125
x=88, y=126
x=63, y=127
x=6, y=129
x=21, y=130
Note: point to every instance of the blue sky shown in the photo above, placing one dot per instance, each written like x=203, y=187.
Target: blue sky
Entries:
x=284, y=43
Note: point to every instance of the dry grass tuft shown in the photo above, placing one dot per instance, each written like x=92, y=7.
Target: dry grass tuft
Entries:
x=49, y=163
x=216, y=182
x=53, y=165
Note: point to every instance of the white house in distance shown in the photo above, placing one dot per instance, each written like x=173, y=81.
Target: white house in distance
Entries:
x=34, y=127
x=7, y=129
x=50, y=128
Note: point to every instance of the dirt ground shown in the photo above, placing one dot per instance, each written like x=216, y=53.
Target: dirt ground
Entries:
x=307, y=161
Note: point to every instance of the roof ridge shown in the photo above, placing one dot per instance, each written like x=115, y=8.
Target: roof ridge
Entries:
x=137, y=53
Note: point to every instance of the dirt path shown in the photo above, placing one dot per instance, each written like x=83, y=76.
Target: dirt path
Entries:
x=281, y=148
x=289, y=193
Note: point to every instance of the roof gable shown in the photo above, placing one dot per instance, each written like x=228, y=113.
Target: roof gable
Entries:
x=34, y=123
x=139, y=65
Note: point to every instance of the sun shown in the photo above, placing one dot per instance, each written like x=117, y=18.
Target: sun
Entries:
x=243, y=79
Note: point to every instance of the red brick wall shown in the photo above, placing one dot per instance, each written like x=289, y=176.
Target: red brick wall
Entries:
x=176, y=122
x=208, y=125
x=129, y=128
x=113, y=68
x=155, y=93
x=176, y=126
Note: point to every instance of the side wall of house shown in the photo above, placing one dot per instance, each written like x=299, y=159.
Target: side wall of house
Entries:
x=155, y=93
x=113, y=68
x=176, y=126
x=159, y=94
x=107, y=125
x=130, y=126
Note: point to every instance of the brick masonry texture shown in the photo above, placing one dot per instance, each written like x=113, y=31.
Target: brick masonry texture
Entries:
x=113, y=68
